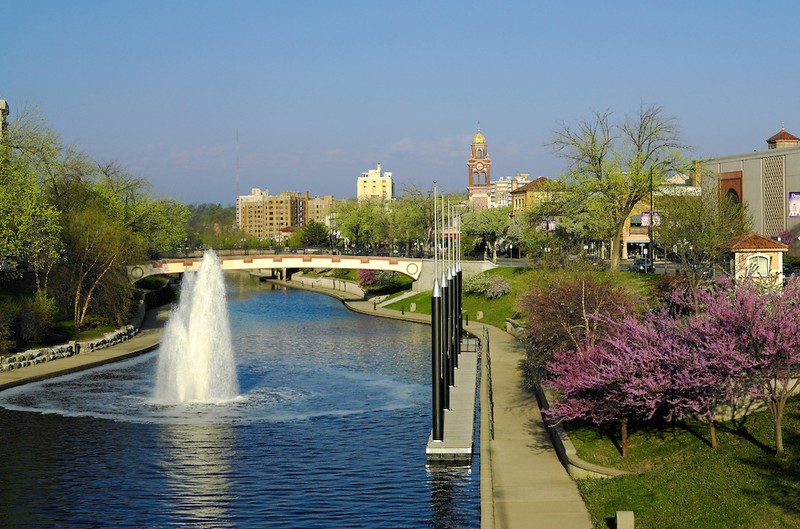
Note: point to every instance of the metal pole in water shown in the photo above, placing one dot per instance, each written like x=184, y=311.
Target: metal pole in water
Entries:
x=437, y=406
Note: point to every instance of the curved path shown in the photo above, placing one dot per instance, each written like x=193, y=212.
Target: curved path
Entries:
x=523, y=484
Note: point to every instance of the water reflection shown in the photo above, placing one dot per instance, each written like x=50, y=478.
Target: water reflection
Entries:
x=196, y=460
x=446, y=485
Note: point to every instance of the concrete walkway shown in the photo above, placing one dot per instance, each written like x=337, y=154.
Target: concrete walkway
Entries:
x=523, y=484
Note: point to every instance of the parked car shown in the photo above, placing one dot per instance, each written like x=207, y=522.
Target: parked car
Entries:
x=700, y=270
x=642, y=265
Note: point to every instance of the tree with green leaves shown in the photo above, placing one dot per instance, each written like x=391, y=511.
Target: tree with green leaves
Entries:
x=159, y=222
x=314, y=234
x=30, y=227
x=693, y=227
x=490, y=225
x=612, y=168
x=364, y=222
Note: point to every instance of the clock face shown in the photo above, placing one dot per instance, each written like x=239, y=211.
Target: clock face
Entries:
x=479, y=167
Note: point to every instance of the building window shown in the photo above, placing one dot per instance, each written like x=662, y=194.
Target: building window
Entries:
x=758, y=265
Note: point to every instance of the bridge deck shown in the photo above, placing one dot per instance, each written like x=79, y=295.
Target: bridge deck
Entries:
x=404, y=265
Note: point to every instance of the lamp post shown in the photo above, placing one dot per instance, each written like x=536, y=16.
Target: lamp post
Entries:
x=652, y=220
x=511, y=252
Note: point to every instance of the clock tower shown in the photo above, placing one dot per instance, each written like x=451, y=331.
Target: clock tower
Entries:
x=480, y=167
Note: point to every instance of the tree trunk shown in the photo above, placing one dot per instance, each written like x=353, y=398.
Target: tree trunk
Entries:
x=624, y=424
x=777, y=417
x=96, y=282
x=614, y=246
x=712, y=431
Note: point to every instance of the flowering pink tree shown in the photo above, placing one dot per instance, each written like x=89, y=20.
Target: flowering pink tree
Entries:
x=622, y=377
x=367, y=277
x=706, y=372
x=660, y=366
x=764, y=330
x=743, y=340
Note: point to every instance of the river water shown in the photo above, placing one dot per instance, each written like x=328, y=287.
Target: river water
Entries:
x=329, y=432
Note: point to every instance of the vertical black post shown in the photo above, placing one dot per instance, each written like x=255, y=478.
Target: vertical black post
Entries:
x=459, y=303
x=443, y=340
x=437, y=407
x=451, y=329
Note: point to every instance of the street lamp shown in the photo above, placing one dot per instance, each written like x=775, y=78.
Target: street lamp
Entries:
x=652, y=220
x=511, y=251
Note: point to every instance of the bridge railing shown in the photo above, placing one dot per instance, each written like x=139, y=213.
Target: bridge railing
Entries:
x=190, y=253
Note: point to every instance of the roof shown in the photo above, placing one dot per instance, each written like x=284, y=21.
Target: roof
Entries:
x=783, y=136
x=540, y=184
x=478, y=139
x=753, y=241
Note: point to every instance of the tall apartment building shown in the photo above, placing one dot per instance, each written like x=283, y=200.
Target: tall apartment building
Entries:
x=274, y=217
x=501, y=189
x=374, y=185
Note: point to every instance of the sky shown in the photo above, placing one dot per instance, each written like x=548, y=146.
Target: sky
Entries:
x=318, y=92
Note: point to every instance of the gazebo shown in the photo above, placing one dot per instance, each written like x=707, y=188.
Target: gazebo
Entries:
x=756, y=256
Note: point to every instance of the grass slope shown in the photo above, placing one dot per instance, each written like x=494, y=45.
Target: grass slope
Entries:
x=685, y=483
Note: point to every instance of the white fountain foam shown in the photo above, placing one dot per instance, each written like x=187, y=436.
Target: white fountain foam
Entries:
x=195, y=362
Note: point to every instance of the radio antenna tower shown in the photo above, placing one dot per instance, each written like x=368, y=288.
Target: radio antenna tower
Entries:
x=237, y=163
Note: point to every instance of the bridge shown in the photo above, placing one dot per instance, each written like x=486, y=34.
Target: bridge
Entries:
x=421, y=271
x=409, y=266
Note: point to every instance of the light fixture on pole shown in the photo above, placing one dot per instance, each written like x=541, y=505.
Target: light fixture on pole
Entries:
x=652, y=220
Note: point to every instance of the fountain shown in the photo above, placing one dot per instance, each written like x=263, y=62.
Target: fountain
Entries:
x=195, y=360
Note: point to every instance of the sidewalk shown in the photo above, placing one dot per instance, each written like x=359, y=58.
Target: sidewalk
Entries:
x=146, y=340
x=523, y=484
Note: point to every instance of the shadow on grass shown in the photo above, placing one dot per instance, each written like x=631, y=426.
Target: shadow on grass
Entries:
x=693, y=432
x=780, y=484
x=740, y=430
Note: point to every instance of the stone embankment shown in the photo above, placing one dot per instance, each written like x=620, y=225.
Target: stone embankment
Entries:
x=38, y=356
x=33, y=357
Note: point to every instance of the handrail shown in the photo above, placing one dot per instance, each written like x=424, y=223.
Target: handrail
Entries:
x=489, y=381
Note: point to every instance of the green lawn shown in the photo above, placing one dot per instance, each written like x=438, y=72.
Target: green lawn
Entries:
x=683, y=482
x=496, y=311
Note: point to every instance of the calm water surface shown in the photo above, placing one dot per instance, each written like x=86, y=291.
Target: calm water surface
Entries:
x=329, y=431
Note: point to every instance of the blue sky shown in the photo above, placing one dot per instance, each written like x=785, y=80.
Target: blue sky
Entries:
x=320, y=91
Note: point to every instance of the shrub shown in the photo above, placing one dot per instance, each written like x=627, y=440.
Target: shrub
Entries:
x=367, y=277
x=490, y=286
x=496, y=287
x=26, y=321
x=476, y=284
x=570, y=313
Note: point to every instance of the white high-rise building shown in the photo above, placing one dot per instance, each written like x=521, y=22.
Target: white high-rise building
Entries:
x=501, y=189
x=374, y=185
